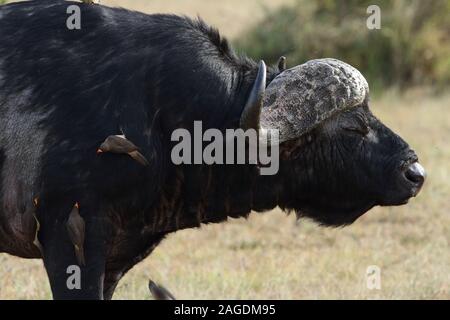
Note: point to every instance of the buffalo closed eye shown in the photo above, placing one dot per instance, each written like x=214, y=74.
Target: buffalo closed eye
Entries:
x=363, y=130
x=359, y=125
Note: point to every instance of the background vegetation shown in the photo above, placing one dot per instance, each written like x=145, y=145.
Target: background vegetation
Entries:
x=411, y=48
x=271, y=256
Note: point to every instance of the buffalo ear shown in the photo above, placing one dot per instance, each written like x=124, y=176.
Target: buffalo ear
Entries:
x=252, y=110
x=282, y=64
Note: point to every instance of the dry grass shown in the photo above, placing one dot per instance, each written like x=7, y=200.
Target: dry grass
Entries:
x=270, y=256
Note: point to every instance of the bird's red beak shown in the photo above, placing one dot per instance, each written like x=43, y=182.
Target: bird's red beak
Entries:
x=99, y=151
x=76, y=205
x=36, y=201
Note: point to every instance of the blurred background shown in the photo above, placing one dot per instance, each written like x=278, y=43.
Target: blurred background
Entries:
x=271, y=256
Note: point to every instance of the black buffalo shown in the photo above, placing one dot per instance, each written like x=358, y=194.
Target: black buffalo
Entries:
x=62, y=92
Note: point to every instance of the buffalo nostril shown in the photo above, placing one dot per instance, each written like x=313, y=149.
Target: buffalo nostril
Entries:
x=416, y=173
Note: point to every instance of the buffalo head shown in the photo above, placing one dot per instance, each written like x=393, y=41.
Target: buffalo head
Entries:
x=337, y=159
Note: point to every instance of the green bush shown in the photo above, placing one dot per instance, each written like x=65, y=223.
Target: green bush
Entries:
x=411, y=48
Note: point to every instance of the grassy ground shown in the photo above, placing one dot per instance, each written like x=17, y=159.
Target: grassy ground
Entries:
x=269, y=256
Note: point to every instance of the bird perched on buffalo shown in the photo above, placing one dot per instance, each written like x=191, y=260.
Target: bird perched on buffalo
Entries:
x=76, y=229
x=31, y=226
x=121, y=145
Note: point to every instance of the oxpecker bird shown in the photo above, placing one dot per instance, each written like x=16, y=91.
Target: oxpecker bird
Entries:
x=121, y=145
x=76, y=229
x=31, y=226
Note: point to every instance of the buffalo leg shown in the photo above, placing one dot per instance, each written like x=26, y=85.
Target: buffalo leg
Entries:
x=117, y=269
x=68, y=280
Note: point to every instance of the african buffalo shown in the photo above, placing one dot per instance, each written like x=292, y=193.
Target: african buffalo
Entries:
x=64, y=91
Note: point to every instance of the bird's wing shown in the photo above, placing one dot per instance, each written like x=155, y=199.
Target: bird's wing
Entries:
x=123, y=144
x=136, y=155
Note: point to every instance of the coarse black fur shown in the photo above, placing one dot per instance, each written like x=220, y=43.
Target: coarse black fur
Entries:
x=62, y=92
